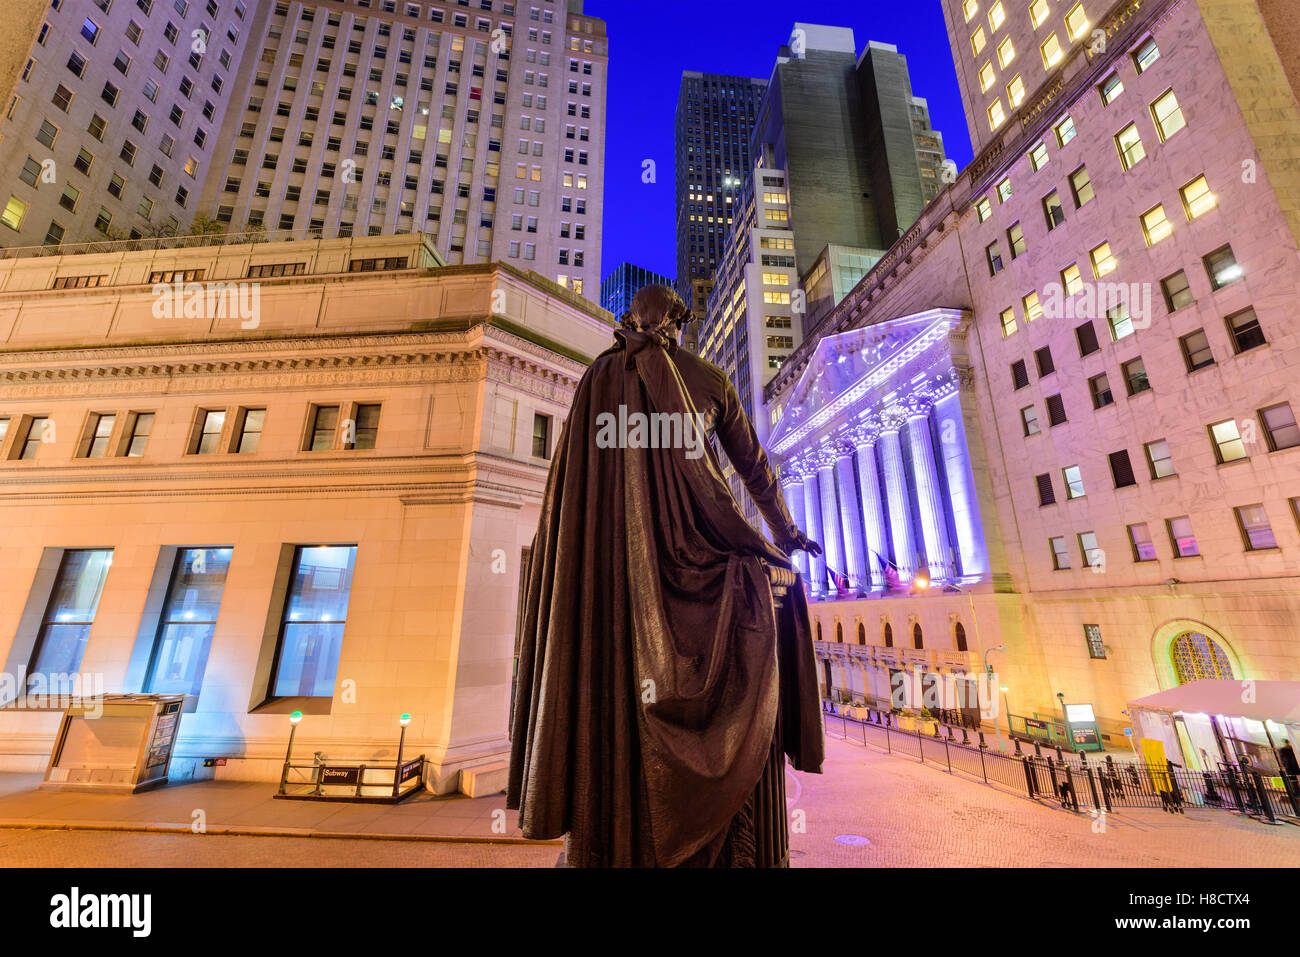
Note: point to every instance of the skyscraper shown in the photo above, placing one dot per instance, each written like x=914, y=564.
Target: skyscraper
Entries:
x=481, y=126
x=618, y=288
x=714, y=120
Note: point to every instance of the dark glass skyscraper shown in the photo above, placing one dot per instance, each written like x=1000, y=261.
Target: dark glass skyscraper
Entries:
x=618, y=288
x=715, y=119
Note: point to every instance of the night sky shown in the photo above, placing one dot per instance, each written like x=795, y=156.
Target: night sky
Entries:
x=652, y=43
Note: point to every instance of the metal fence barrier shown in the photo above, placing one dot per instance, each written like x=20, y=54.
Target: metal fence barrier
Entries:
x=1077, y=783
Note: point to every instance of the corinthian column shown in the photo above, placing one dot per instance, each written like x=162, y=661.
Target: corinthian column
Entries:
x=929, y=497
x=875, y=541
x=834, y=543
x=812, y=512
x=900, y=513
x=854, y=554
x=955, y=455
x=792, y=490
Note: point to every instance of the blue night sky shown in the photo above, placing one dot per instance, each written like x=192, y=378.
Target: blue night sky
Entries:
x=651, y=44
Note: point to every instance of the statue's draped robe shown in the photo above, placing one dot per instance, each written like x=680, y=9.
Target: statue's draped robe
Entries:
x=652, y=665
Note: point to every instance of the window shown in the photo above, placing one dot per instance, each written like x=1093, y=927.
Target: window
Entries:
x=38, y=432
x=1256, y=532
x=1197, y=198
x=1099, y=388
x=70, y=613
x=1110, y=89
x=1244, y=330
x=15, y=212
x=977, y=41
x=1076, y=21
x=984, y=209
x=188, y=621
x=211, y=424
x=1280, y=427
x=1090, y=552
x=1029, y=420
x=1221, y=266
x=1145, y=55
x=1053, y=210
x=1227, y=441
x=1135, y=376
x=1168, y=116
x=1046, y=494
x=1043, y=359
x=1073, y=479
x=1004, y=190
x=1139, y=538
x=1159, y=459
x=1055, y=410
x=1196, y=350
x=315, y=614
x=988, y=75
x=365, y=428
x=1121, y=469
x=1006, y=52
x=1129, y=143
x=1016, y=240
x=1051, y=51
x=1177, y=291
x=1181, y=537
x=1008, y=319
x=1155, y=225
x=994, y=259
x=1033, y=308
x=1015, y=89
x=1019, y=377
x=250, y=431
x=1065, y=131
x=997, y=115
x=1081, y=187
x=997, y=16
x=1120, y=323
x=324, y=423
x=139, y=434
x=98, y=432
x=541, y=436
x=1086, y=336
x=1060, y=553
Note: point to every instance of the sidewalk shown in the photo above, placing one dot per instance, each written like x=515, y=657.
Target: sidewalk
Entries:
x=249, y=808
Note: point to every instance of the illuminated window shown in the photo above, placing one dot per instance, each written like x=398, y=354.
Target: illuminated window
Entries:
x=1197, y=198
x=188, y=621
x=1051, y=51
x=1038, y=156
x=1016, y=91
x=1071, y=280
x=1145, y=55
x=1155, y=225
x=70, y=614
x=997, y=116
x=1006, y=52
x=1033, y=308
x=1168, y=115
x=1038, y=11
x=1227, y=441
x=997, y=16
x=1064, y=131
x=315, y=615
x=1076, y=21
x=15, y=212
x=1103, y=263
x=1182, y=537
x=1139, y=536
x=984, y=209
x=1110, y=89
x=977, y=41
x=987, y=77
x=1008, y=319
x=1129, y=143
x=970, y=8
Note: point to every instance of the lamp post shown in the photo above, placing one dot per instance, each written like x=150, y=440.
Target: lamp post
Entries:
x=294, y=720
x=403, y=719
x=1065, y=721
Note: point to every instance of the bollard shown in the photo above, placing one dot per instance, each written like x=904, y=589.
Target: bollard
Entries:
x=983, y=744
x=965, y=738
x=1019, y=753
x=1029, y=774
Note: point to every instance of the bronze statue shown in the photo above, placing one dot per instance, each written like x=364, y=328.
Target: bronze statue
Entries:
x=659, y=685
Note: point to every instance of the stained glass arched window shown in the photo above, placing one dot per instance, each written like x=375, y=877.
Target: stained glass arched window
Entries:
x=1198, y=656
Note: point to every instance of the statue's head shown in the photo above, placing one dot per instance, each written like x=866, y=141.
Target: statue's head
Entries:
x=657, y=309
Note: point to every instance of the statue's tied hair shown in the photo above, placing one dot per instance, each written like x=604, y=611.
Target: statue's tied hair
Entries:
x=655, y=308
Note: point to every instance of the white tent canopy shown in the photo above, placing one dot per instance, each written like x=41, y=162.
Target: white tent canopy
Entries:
x=1277, y=701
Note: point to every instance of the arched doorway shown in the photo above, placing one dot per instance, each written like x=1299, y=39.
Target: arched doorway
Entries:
x=1195, y=655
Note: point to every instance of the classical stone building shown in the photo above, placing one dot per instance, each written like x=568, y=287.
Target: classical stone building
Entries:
x=277, y=477
x=1067, y=397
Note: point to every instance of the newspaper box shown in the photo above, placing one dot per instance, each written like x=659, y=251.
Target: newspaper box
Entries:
x=116, y=743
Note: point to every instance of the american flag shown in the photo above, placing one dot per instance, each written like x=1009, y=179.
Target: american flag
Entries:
x=892, y=578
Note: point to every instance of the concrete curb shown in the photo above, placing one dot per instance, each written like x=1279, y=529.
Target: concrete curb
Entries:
x=237, y=831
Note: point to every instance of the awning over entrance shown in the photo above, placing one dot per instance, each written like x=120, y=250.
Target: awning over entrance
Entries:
x=1277, y=701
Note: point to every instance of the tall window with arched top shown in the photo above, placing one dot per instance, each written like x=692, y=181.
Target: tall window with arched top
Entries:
x=839, y=633
x=918, y=640
x=819, y=631
x=1197, y=656
x=959, y=633
x=889, y=635
x=862, y=633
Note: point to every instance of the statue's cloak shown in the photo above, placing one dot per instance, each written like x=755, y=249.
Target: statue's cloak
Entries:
x=651, y=661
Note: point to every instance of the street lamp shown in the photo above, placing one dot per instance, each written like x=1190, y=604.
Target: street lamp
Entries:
x=294, y=720
x=403, y=719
